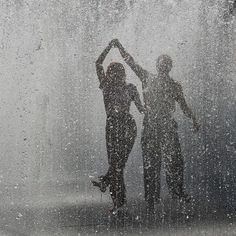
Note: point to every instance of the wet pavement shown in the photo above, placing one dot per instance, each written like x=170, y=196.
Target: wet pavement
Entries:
x=77, y=214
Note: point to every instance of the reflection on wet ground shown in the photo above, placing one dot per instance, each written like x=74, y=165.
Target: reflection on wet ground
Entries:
x=74, y=214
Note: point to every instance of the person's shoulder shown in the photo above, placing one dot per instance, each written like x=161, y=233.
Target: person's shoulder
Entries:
x=152, y=78
x=176, y=84
x=103, y=85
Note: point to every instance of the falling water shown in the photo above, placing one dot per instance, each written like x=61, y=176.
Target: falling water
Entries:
x=52, y=112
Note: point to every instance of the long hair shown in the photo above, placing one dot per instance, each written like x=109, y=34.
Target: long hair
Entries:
x=116, y=74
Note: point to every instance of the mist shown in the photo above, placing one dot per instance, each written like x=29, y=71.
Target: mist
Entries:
x=52, y=111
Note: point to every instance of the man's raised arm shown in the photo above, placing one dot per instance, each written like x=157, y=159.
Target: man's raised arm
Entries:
x=138, y=70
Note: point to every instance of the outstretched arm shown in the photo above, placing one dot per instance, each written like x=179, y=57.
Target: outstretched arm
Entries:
x=138, y=70
x=99, y=62
x=185, y=108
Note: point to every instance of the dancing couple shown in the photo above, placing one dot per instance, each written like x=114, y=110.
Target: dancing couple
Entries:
x=159, y=136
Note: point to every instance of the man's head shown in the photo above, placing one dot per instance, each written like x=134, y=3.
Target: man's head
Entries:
x=116, y=73
x=164, y=64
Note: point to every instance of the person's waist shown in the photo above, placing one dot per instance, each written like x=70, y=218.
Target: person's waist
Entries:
x=118, y=114
x=158, y=116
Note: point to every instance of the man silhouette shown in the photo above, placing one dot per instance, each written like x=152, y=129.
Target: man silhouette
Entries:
x=160, y=137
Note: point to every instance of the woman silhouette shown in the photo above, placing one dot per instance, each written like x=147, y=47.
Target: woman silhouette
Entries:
x=121, y=128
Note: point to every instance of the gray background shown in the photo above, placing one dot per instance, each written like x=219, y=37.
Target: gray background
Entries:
x=51, y=109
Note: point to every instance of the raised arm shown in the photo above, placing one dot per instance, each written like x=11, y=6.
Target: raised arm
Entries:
x=138, y=70
x=99, y=62
x=184, y=106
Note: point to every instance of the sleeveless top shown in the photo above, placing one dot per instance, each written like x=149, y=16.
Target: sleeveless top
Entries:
x=117, y=99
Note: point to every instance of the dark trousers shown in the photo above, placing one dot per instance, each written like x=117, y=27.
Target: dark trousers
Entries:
x=160, y=140
x=121, y=132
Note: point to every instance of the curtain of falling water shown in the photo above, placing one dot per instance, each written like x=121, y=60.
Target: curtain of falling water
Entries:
x=216, y=73
x=53, y=116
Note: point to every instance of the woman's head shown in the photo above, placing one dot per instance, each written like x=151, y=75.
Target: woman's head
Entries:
x=116, y=73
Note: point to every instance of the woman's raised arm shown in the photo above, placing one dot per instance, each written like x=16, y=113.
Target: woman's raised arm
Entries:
x=99, y=62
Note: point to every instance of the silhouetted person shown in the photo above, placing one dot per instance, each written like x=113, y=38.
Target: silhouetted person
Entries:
x=121, y=128
x=159, y=137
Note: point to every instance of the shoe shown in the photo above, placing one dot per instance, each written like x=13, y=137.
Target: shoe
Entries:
x=100, y=185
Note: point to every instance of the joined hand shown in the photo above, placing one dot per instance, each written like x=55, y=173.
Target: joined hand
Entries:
x=114, y=43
